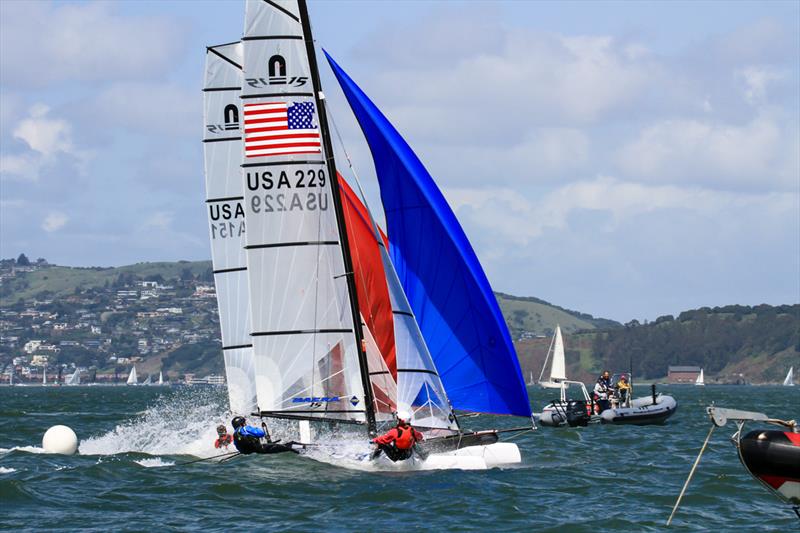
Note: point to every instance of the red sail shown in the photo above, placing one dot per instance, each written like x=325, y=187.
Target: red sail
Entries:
x=371, y=288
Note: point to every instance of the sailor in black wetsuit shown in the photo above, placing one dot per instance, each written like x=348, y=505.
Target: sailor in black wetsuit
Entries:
x=248, y=439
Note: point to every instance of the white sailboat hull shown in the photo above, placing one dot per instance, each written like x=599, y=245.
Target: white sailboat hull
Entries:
x=470, y=458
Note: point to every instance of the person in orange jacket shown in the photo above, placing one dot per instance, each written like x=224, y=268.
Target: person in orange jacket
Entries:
x=399, y=442
x=225, y=439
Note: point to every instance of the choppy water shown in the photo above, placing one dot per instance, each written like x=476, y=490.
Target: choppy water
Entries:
x=128, y=474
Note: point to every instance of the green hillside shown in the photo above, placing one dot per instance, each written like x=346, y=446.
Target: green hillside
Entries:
x=60, y=281
x=758, y=343
x=529, y=314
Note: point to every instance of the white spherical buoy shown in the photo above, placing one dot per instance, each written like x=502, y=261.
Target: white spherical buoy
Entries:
x=60, y=439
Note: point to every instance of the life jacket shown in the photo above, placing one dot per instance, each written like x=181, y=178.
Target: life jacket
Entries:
x=405, y=438
x=223, y=441
x=245, y=443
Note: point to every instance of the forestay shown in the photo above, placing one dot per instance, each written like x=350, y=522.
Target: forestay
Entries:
x=303, y=332
x=446, y=287
x=222, y=144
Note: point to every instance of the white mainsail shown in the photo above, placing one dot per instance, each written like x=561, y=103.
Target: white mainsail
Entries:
x=148, y=381
x=306, y=356
x=75, y=378
x=160, y=378
x=132, y=379
x=224, y=198
x=558, y=371
x=700, y=379
x=789, y=381
x=44, y=375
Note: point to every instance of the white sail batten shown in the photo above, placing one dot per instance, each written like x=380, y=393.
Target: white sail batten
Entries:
x=222, y=142
x=303, y=335
x=558, y=371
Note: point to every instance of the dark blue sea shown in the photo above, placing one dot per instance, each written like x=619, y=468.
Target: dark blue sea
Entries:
x=128, y=475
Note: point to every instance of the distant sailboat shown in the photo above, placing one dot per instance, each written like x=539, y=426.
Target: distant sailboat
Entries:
x=148, y=381
x=558, y=372
x=132, y=379
x=160, y=378
x=75, y=378
x=700, y=379
x=44, y=375
x=789, y=381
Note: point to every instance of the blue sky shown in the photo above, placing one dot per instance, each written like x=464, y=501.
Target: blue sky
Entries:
x=626, y=159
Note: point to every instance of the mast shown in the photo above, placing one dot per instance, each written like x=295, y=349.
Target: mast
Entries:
x=337, y=202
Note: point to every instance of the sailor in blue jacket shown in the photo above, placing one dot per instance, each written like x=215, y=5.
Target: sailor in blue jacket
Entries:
x=249, y=439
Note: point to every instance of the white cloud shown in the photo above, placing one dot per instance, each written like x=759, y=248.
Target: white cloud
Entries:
x=45, y=135
x=54, y=221
x=46, y=42
x=511, y=218
x=152, y=108
x=761, y=154
x=160, y=220
x=755, y=80
x=46, y=139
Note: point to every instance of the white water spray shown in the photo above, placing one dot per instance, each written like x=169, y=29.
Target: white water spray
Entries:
x=183, y=424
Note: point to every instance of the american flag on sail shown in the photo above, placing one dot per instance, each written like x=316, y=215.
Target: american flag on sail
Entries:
x=280, y=128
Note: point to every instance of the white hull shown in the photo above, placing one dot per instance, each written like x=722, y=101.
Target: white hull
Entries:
x=470, y=458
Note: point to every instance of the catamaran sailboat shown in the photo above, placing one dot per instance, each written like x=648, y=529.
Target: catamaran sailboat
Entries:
x=319, y=308
x=789, y=381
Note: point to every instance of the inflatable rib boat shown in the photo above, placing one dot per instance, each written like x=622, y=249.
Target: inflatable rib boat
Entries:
x=654, y=409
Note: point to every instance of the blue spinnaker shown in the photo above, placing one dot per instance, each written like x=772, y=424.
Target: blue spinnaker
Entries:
x=442, y=278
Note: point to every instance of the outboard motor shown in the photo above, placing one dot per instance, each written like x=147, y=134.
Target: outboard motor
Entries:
x=576, y=414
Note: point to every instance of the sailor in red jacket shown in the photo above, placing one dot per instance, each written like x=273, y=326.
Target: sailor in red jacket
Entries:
x=224, y=439
x=399, y=442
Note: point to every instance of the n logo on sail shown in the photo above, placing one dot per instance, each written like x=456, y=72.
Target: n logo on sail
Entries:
x=276, y=68
x=231, y=116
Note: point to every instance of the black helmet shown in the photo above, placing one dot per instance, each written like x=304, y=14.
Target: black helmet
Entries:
x=237, y=421
x=221, y=430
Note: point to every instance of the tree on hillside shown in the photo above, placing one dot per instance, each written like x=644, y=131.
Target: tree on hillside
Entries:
x=23, y=261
